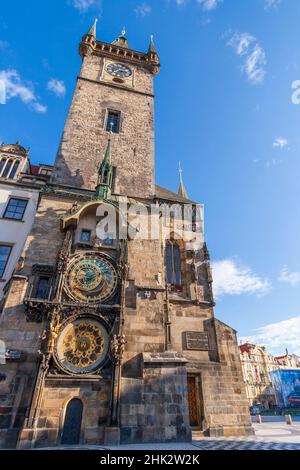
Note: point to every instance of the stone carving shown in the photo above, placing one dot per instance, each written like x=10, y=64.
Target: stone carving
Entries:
x=117, y=348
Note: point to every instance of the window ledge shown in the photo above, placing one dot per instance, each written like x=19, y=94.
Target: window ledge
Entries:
x=13, y=220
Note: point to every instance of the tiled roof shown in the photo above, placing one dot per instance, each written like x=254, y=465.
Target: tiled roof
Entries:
x=164, y=193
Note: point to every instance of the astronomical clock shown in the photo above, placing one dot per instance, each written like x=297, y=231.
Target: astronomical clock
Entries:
x=83, y=328
x=90, y=278
x=82, y=346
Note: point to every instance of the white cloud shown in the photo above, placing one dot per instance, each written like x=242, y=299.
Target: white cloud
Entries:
x=278, y=336
x=83, y=5
x=269, y=4
x=181, y=2
x=273, y=162
x=142, y=10
x=209, y=5
x=57, y=87
x=15, y=88
x=280, y=142
x=247, y=46
x=231, y=279
x=288, y=277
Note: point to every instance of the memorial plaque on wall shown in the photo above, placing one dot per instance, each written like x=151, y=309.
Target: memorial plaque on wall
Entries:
x=196, y=341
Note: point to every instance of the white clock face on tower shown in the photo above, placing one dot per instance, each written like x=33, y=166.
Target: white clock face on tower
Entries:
x=119, y=70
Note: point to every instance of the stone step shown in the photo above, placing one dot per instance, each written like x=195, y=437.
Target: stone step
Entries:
x=197, y=434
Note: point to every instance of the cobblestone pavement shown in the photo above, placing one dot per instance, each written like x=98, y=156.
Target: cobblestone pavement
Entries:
x=268, y=436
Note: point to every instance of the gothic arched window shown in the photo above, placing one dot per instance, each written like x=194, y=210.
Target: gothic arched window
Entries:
x=2, y=163
x=173, y=264
x=14, y=170
x=7, y=168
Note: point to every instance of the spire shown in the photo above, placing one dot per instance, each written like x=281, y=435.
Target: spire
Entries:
x=152, y=48
x=122, y=40
x=93, y=30
x=107, y=155
x=181, y=191
x=105, y=174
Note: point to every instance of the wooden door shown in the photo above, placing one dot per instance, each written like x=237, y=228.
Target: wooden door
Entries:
x=194, y=402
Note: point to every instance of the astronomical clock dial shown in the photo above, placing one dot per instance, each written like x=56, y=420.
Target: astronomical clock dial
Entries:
x=82, y=346
x=119, y=70
x=90, y=278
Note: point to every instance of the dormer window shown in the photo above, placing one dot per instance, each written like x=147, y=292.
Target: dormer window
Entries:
x=14, y=170
x=7, y=169
x=2, y=164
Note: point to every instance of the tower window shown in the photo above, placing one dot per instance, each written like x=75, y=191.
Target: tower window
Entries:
x=5, y=251
x=15, y=209
x=173, y=264
x=85, y=235
x=113, y=121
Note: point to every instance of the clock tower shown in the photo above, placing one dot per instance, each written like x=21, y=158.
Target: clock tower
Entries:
x=114, y=92
x=108, y=323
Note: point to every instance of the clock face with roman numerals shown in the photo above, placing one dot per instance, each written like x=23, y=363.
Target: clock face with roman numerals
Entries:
x=119, y=70
x=91, y=278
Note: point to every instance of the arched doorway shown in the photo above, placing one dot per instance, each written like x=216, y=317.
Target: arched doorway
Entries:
x=72, y=423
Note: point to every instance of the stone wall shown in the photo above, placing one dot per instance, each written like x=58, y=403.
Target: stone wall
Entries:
x=84, y=138
x=95, y=396
x=154, y=407
x=17, y=389
x=225, y=403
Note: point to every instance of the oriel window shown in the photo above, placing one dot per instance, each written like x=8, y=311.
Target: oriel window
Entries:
x=113, y=121
x=173, y=264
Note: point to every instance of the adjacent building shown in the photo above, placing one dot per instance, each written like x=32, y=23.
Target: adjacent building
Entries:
x=112, y=311
x=288, y=361
x=269, y=379
x=20, y=183
x=257, y=364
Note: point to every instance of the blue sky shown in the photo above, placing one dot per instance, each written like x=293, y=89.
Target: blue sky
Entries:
x=223, y=107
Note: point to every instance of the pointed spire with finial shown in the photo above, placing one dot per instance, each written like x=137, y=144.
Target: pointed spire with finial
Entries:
x=105, y=173
x=122, y=40
x=152, y=48
x=93, y=30
x=181, y=191
x=107, y=155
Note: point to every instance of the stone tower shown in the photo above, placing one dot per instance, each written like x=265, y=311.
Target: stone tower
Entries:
x=114, y=92
x=114, y=336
